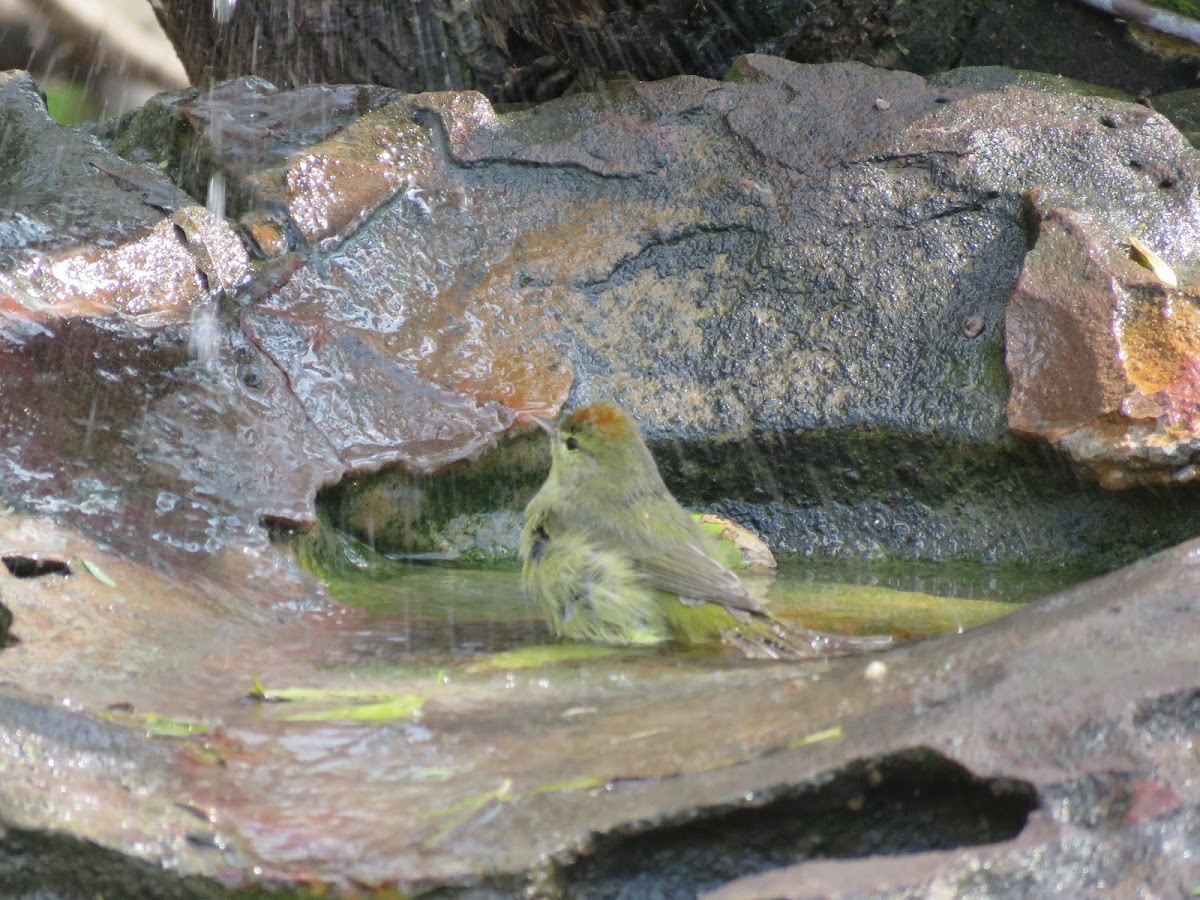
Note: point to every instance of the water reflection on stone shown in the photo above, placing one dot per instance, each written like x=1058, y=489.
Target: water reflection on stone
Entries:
x=431, y=612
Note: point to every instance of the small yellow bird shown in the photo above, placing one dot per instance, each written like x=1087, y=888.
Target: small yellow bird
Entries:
x=612, y=558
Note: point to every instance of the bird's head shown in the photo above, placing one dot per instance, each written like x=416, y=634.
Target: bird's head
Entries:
x=599, y=441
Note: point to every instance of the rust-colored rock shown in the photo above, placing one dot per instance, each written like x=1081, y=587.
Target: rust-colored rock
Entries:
x=129, y=407
x=419, y=299
x=120, y=431
x=141, y=400
x=380, y=410
x=157, y=278
x=1104, y=357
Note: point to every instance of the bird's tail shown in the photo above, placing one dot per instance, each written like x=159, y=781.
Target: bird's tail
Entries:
x=769, y=638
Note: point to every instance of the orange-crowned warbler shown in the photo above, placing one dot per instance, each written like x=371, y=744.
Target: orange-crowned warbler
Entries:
x=612, y=558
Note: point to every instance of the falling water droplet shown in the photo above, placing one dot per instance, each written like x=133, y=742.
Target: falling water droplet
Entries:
x=203, y=339
x=90, y=428
x=222, y=10
x=216, y=194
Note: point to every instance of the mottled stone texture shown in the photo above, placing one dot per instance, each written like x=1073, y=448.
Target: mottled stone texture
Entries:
x=1051, y=750
x=1105, y=357
x=143, y=399
x=795, y=278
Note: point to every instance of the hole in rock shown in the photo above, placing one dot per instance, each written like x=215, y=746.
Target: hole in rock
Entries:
x=907, y=802
x=32, y=567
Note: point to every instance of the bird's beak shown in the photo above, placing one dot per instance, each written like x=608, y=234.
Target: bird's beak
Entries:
x=524, y=417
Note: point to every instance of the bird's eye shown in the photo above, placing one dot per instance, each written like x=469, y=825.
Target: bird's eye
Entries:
x=571, y=443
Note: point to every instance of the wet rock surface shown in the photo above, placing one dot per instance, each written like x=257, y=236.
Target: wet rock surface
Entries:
x=811, y=263
x=1105, y=356
x=799, y=291
x=1059, y=740
x=145, y=403
x=120, y=432
x=125, y=409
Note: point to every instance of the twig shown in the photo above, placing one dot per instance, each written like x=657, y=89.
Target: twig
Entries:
x=1152, y=17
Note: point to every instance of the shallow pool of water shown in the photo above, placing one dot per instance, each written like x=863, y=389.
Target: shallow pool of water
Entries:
x=424, y=610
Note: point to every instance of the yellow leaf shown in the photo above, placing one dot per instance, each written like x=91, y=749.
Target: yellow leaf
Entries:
x=1146, y=257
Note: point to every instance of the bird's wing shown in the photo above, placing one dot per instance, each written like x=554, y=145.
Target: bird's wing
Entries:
x=669, y=551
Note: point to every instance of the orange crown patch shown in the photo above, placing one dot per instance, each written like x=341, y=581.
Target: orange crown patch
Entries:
x=606, y=419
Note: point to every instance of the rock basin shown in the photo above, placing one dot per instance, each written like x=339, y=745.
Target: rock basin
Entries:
x=822, y=297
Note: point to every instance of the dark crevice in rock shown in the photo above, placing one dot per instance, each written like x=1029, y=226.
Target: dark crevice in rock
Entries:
x=922, y=160
x=908, y=802
x=586, y=174
x=6, y=620
x=699, y=237
x=32, y=567
x=492, y=887
x=957, y=210
x=49, y=864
